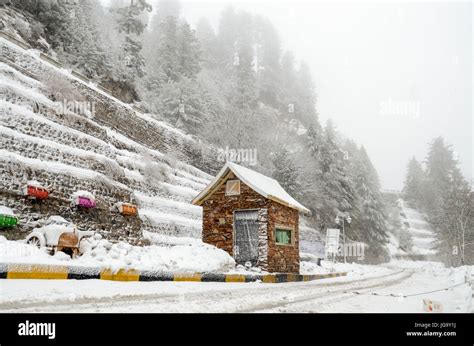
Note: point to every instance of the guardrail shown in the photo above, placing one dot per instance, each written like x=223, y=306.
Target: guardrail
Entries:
x=12, y=39
x=18, y=68
x=80, y=76
x=51, y=60
x=104, y=89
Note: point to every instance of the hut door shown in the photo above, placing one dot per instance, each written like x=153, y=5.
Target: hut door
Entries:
x=246, y=236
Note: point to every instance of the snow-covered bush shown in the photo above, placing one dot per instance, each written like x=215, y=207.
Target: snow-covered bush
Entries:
x=154, y=172
x=191, y=257
x=23, y=28
x=405, y=240
x=113, y=169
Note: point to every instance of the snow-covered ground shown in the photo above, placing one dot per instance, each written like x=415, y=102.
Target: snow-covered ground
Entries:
x=370, y=291
x=189, y=255
x=102, y=156
x=430, y=280
x=167, y=253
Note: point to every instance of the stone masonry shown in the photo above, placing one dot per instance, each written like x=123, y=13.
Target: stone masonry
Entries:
x=272, y=257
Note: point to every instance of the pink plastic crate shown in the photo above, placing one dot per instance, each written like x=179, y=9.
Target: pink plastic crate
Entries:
x=85, y=202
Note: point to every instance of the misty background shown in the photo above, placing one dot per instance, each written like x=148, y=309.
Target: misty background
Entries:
x=338, y=101
x=406, y=56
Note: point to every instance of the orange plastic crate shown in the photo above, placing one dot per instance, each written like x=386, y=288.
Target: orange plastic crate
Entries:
x=128, y=209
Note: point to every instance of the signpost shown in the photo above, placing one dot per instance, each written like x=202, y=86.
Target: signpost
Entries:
x=332, y=242
x=432, y=306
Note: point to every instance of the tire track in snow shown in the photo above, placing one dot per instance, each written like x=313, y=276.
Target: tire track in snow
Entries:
x=209, y=297
x=322, y=297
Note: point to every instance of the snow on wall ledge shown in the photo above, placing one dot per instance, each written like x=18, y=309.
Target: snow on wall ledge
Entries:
x=193, y=257
x=119, y=155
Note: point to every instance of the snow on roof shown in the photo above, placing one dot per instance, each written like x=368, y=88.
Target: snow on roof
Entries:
x=82, y=193
x=33, y=183
x=266, y=186
x=6, y=211
x=57, y=219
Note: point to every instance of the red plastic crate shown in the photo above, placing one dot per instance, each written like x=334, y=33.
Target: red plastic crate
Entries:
x=37, y=192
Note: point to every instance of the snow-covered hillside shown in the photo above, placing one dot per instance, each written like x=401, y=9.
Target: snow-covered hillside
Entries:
x=118, y=154
x=115, y=152
x=422, y=235
x=410, y=235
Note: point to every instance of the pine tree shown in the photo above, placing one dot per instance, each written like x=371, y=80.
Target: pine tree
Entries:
x=440, y=166
x=286, y=172
x=239, y=78
x=185, y=105
x=337, y=190
x=243, y=74
x=267, y=61
x=208, y=40
x=453, y=223
x=227, y=37
x=415, y=183
x=152, y=38
x=166, y=58
x=84, y=52
x=305, y=110
x=178, y=54
x=372, y=210
x=55, y=17
x=130, y=24
x=314, y=138
x=188, y=52
x=448, y=202
x=368, y=210
x=288, y=103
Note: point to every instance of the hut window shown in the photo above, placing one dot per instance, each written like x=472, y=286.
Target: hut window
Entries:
x=283, y=236
x=232, y=188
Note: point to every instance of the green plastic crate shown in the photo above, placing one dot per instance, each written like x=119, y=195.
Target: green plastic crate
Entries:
x=8, y=221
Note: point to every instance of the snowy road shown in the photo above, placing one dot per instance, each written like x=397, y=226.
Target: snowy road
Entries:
x=371, y=293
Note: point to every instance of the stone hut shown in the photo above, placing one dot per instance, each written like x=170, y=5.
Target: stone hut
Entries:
x=253, y=218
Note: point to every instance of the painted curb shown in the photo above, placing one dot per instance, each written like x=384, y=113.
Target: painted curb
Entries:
x=58, y=272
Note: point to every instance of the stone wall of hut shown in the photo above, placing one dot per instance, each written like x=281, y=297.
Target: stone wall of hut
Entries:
x=283, y=258
x=219, y=206
x=218, y=218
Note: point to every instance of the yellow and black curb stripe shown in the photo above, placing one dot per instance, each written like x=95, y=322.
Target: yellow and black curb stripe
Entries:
x=57, y=272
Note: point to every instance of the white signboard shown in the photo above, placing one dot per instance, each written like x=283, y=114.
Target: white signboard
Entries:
x=332, y=241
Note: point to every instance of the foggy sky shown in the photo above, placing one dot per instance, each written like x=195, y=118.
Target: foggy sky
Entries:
x=392, y=75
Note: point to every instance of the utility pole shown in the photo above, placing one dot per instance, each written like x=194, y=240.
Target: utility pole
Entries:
x=337, y=220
